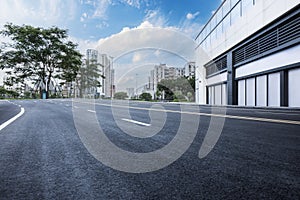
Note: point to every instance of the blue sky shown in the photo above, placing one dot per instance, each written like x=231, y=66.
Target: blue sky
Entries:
x=116, y=27
x=91, y=20
x=131, y=13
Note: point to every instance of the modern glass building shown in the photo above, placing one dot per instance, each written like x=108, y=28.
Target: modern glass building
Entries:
x=248, y=54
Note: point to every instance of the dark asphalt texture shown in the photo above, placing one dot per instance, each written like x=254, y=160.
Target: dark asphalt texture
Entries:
x=8, y=110
x=42, y=157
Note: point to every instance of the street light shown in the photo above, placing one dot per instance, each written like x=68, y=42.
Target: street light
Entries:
x=136, y=89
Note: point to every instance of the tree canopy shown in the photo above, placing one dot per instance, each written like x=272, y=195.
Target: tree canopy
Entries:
x=38, y=55
x=89, y=74
x=177, y=89
x=120, y=95
x=146, y=96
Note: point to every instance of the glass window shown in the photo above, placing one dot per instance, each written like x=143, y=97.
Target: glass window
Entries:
x=213, y=22
x=219, y=30
x=235, y=13
x=226, y=8
x=208, y=41
x=246, y=4
x=233, y=2
x=198, y=40
x=226, y=23
x=201, y=38
x=214, y=35
x=208, y=29
x=219, y=16
x=204, y=32
x=204, y=45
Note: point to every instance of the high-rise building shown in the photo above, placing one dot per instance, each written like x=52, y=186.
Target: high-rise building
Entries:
x=189, y=69
x=108, y=87
x=105, y=66
x=92, y=55
x=248, y=54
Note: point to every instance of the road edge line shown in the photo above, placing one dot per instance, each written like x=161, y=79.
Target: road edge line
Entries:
x=11, y=120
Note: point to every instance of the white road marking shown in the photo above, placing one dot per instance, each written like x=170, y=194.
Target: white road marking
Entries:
x=92, y=111
x=136, y=122
x=75, y=106
x=2, y=126
x=204, y=114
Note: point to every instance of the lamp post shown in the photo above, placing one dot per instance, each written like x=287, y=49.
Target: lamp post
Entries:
x=136, y=89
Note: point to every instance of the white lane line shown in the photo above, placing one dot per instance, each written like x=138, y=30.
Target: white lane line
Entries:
x=136, y=122
x=2, y=126
x=92, y=111
x=283, y=121
x=75, y=106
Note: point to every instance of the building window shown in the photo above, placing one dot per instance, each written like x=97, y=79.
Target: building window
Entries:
x=235, y=13
x=219, y=30
x=246, y=4
x=233, y=2
x=226, y=8
x=226, y=23
x=219, y=16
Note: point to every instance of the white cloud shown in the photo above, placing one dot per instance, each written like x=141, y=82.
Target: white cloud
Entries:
x=157, y=53
x=101, y=7
x=37, y=13
x=83, y=45
x=137, y=57
x=190, y=16
x=133, y=3
x=138, y=49
x=102, y=25
x=155, y=18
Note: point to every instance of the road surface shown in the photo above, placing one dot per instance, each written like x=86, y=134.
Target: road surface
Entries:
x=43, y=157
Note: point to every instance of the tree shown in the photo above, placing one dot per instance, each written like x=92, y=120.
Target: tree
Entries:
x=177, y=89
x=10, y=93
x=39, y=55
x=89, y=73
x=166, y=87
x=146, y=96
x=120, y=95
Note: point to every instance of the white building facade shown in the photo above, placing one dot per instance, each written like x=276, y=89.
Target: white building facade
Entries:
x=105, y=65
x=248, y=54
x=108, y=87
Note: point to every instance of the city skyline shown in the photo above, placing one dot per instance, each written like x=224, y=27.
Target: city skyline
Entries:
x=98, y=25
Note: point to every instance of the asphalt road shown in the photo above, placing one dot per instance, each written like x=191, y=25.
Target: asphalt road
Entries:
x=8, y=110
x=43, y=157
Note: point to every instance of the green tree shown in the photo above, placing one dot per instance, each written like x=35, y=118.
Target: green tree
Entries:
x=166, y=87
x=177, y=89
x=10, y=93
x=89, y=74
x=146, y=96
x=3, y=92
x=120, y=95
x=38, y=54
